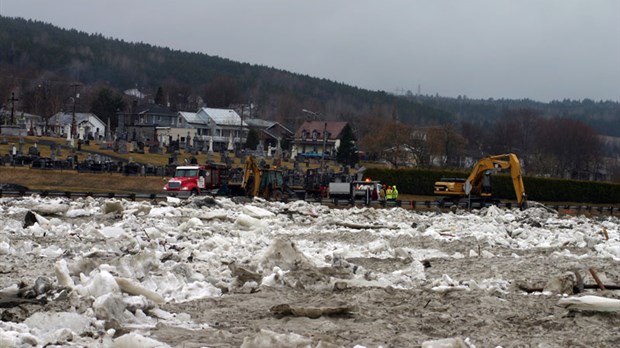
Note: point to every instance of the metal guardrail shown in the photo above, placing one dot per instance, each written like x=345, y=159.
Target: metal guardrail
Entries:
x=411, y=205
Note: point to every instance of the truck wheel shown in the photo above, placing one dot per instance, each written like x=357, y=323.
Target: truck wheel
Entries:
x=194, y=192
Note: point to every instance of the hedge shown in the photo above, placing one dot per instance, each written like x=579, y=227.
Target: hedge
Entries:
x=421, y=182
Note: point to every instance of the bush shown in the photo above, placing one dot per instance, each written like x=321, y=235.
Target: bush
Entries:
x=421, y=182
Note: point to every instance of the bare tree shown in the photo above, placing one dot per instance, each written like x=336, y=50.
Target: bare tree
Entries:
x=446, y=145
x=390, y=141
x=572, y=149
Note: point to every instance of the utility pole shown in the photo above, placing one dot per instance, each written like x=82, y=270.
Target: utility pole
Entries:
x=13, y=100
x=73, y=122
x=241, y=130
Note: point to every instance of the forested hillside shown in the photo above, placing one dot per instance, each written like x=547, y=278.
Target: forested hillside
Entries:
x=35, y=55
x=603, y=115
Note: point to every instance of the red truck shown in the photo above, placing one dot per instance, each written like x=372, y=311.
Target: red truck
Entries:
x=196, y=180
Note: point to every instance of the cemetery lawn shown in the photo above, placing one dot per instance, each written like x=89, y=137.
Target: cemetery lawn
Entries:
x=72, y=181
x=86, y=150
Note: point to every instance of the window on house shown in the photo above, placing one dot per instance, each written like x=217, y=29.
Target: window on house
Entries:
x=315, y=134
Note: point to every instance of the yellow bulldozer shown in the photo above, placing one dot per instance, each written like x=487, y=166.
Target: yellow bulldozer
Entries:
x=477, y=186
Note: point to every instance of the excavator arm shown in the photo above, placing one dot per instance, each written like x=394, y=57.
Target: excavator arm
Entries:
x=250, y=168
x=492, y=164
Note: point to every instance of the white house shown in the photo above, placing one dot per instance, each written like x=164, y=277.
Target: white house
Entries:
x=223, y=128
x=89, y=126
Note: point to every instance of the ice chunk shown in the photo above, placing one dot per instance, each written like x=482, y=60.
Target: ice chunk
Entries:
x=110, y=306
x=10, y=291
x=249, y=222
x=173, y=200
x=113, y=207
x=51, y=208
x=73, y=213
x=267, y=338
x=52, y=251
x=134, y=288
x=50, y=325
x=591, y=303
x=445, y=343
x=62, y=274
x=132, y=340
x=163, y=211
x=257, y=212
x=562, y=284
x=112, y=231
x=41, y=220
x=102, y=283
x=5, y=248
x=284, y=254
x=191, y=223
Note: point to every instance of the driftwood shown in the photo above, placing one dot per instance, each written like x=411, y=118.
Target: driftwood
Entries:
x=585, y=286
x=283, y=310
x=596, y=279
x=363, y=226
x=10, y=302
x=579, y=286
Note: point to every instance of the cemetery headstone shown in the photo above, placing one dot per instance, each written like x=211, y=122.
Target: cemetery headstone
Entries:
x=122, y=147
x=33, y=151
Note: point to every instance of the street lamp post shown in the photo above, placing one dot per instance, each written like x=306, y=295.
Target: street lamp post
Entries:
x=318, y=117
x=73, y=121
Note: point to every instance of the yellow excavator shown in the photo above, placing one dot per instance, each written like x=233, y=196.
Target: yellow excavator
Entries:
x=477, y=186
x=262, y=182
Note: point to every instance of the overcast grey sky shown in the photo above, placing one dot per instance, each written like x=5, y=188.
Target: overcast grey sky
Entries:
x=538, y=49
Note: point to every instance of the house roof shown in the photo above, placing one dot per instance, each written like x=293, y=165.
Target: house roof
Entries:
x=64, y=118
x=226, y=117
x=192, y=117
x=154, y=109
x=259, y=123
x=334, y=128
x=272, y=128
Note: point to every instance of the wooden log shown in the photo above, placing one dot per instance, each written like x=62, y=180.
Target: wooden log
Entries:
x=596, y=279
x=530, y=290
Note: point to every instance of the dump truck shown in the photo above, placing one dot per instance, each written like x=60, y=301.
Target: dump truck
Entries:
x=195, y=180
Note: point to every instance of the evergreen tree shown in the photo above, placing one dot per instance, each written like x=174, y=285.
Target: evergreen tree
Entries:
x=106, y=104
x=346, y=152
x=159, y=97
x=253, y=140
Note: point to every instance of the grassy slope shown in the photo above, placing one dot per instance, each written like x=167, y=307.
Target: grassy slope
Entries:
x=56, y=180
